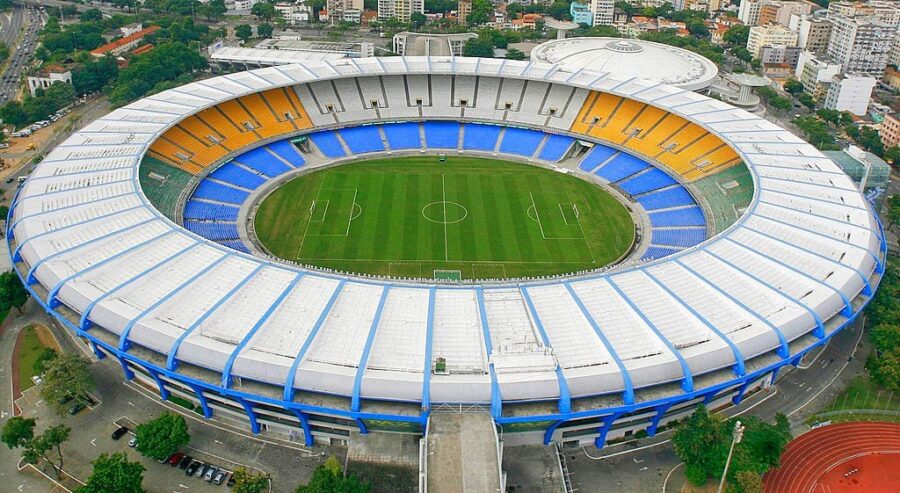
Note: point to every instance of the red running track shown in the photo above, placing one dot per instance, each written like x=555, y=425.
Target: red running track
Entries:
x=848, y=457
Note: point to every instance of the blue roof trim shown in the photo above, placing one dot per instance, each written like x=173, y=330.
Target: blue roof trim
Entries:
x=171, y=360
x=814, y=199
x=56, y=192
x=819, y=328
x=496, y=400
x=739, y=368
x=226, y=371
x=817, y=233
x=565, y=399
x=16, y=253
x=367, y=350
x=848, y=308
x=775, y=166
x=292, y=373
x=429, y=345
x=83, y=321
x=801, y=182
x=829, y=218
x=783, y=349
x=687, y=383
x=865, y=280
x=628, y=395
x=123, y=338
x=31, y=279
x=81, y=204
x=51, y=295
x=129, y=167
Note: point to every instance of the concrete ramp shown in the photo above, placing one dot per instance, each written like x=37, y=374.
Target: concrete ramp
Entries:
x=462, y=454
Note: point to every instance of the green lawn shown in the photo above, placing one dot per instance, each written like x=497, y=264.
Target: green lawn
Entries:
x=29, y=350
x=414, y=216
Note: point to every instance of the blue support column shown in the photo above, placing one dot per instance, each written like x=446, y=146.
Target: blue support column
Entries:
x=304, y=424
x=548, y=433
x=129, y=375
x=429, y=345
x=163, y=392
x=741, y=391
x=251, y=415
x=362, y=426
x=565, y=399
x=204, y=404
x=607, y=421
x=96, y=350
x=661, y=410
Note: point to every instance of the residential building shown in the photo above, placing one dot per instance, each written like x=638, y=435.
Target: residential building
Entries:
x=891, y=78
x=581, y=13
x=769, y=36
x=777, y=12
x=813, y=32
x=894, y=55
x=602, y=11
x=850, y=93
x=890, y=130
x=129, y=29
x=48, y=76
x=463, y=10
x=789, y=55
x=749, y=12
x=343, y=11
x=125, y=44
x=815, y=73
x=399, y=9
x=293, y=13
x=863, y=35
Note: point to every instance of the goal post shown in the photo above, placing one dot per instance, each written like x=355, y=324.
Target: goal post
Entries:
x=575, y=209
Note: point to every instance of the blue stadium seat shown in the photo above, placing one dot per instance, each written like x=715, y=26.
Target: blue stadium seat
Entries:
x=328, y=143
x=196, y=209
x=650, y=180
x=441, y=135
x=521, y=141
x=213, y=231
x=555, y=147
x=478, y=137
x=691, y=216
x=664, y=199
x=234, y=174
x=658, y=252
x=288, y=152
x=678, y=237
x=221, y=193
x=403, y=135
x=621, y=166
x=595, y=157
x=234, y=245
x=263, y=161
x=362, y=139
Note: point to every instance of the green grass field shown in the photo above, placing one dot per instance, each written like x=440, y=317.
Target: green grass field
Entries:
x=468, y=217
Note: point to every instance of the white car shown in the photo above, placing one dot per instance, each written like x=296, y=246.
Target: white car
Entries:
x=36, y=379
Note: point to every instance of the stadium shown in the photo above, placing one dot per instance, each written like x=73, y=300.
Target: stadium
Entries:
x=152, y=235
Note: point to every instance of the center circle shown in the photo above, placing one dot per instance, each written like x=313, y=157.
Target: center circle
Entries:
x=444, y=212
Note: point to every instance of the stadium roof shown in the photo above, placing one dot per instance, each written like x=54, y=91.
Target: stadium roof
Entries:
x=783, y=275
x=630, y=58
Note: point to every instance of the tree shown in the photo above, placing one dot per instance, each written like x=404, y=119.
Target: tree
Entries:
x=213, y=10
x=13, y=113
x=698, y=29
x=737, y=35
x=12, y=291
x=482, y=11
x=244, y=31
x=514, y=9
x=247, y=482
x=40, y=446
x=477, y=47
x=892, y=155
x=264, y=30
x=264, y=10
x=329, y=478
x=700, y=443
x=514, y=54
x=418, y=19
x=807, y=100
x=559, y=10
x=163, y=436
x=793, y=86
x=91, y=15
x=46, y=356
x=18, y=431
x=114, y=473
x=66, y=377
x=749, y=482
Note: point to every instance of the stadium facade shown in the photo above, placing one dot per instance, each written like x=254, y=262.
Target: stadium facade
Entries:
x=114, y=236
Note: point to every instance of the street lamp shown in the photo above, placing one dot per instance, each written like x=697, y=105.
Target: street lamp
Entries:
x=735, y=438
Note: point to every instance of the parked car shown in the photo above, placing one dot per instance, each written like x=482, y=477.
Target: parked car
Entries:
x=119, y=433
x=37, y=379
x=219, y=477
x=133, y=442
x=208, y=475
x=193, y=467
x=201, y=470
x=76, y=408
x=185, y=461
x=230, y=482
x=175, y=458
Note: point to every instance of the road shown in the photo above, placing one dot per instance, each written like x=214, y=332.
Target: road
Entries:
x=27, y=18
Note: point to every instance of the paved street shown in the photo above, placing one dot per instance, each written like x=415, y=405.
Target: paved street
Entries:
x=21, y=45
x=214, y=441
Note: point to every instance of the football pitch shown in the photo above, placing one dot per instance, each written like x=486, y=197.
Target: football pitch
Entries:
x=466, y=218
